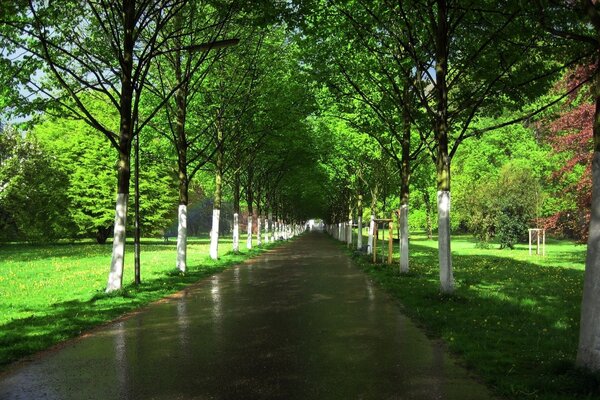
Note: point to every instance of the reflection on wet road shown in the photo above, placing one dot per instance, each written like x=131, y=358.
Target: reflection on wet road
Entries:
x=300, y=322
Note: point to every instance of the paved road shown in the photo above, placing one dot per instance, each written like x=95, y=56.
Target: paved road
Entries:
x=300, y=322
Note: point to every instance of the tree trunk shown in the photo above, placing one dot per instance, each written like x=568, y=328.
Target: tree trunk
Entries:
x=182, y=238
x=428, y=212
x=258, y=221
x=236, y=233
x=405, y=185
x=115, y=276
x=442, y=157
x=370, y=239
x=403, y=221
x=267, y=226
x=271, y=227
x=249, y=201
x=349, y=233
x=214, y=233
x=183, y=182
x=359, y=212
x=266, y=240
x=588, y=352
x=102, y=235
x=258, y=230
x=236, y=212
x=276, y=225
x=137, y=233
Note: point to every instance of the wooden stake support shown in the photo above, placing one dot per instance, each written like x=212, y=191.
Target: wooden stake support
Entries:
x=390, y=239
x=537, y=231
x=391, y=243
x=375, y=237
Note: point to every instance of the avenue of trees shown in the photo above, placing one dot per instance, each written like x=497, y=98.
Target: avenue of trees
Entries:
x=478, y=117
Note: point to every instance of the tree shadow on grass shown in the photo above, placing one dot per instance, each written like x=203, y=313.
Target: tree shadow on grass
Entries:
x=576, y=257
x=514, y=322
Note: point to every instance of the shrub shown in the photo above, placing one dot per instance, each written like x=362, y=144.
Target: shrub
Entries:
x=503, y=208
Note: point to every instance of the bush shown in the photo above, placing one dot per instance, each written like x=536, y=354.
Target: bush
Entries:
x=510, y=229
x=503, y=208
x=32, y=191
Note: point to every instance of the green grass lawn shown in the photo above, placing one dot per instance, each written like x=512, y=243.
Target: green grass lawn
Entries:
x=559, y=253
x=49, y=293
x=514, y=318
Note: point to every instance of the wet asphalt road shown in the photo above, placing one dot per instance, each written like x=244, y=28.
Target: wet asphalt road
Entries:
x=300, y=322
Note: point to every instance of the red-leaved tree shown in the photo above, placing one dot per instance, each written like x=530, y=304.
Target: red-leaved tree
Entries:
x=570, y=133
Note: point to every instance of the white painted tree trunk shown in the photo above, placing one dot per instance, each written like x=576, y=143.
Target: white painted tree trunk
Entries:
x=271, y=228
x=258, y=232
x=360, y=230
x=340, y=230
x=350, y=233
x=214, y=235
x=182, y=238
x=445, y=257
x=236, y=233
x=370, y=238
x=249, y=238
x=404, y=238
x=588, y=352
x=115, y=276
x=267, y=230
x=346, y=229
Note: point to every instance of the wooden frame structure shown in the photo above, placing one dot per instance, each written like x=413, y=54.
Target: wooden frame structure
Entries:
x=537, y=232
x=390, y=238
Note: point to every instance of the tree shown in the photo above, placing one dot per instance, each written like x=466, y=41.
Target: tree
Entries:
x=504, y=206
x=578, y=25
x=478, y=174
x=33, y=195
x=227, y=99
x=103, y=48
x=89, y=163
x=185, y=71
x=569, y=132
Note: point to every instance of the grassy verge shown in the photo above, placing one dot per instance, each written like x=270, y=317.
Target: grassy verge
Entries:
x=514, y=319
x=50, y=293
